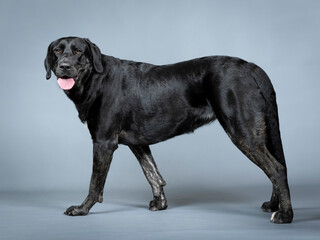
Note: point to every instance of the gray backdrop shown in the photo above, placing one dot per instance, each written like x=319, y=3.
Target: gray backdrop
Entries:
x=43, y=144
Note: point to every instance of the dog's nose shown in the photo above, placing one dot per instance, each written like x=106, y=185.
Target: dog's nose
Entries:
x=65, y=66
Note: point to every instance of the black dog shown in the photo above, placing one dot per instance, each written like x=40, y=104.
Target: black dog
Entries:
x=138, y=104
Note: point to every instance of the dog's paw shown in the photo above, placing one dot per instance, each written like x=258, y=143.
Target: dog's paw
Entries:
x=282, y=217
x=76, y=211
x=158, y=204
x=270, y=206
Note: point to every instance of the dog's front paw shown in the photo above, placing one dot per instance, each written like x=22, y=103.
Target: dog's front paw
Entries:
x=76, y=211
x=270, y=206
x=282, y=217
x=158, y=204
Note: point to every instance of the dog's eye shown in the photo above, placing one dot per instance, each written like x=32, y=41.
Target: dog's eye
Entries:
x=77, y=51
x=58, y=50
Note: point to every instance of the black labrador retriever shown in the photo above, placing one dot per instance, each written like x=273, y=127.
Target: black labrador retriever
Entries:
x=138, y=104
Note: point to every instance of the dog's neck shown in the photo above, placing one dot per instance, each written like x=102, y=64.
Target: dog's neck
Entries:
x=84, y=95
x=87, y=94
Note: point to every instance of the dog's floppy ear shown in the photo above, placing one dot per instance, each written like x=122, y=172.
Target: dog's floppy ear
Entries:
x=49, y=61
x=96, y=56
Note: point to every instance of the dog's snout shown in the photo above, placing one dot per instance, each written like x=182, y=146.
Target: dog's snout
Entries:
x=65, y=66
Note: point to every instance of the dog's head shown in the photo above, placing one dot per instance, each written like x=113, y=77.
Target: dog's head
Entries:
x=72, y=58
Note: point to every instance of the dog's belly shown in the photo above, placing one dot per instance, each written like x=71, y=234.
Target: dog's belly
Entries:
x=161, y=128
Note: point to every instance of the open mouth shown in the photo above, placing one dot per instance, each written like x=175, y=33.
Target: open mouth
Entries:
x=66, y=83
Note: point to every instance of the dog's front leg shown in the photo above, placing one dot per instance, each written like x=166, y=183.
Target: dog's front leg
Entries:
x=102, y=156
x=153, y=176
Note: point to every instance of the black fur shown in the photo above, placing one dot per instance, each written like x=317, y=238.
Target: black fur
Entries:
x=139, y=104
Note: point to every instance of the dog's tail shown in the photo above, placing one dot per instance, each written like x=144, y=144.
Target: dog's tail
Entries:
x=274, y=143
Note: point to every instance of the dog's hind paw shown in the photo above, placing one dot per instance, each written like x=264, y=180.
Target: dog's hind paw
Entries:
x=158, y=204
x=282, y=217
x=270, y=206
x=76, y=211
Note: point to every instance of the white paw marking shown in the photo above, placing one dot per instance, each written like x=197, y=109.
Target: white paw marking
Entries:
x=273, y=215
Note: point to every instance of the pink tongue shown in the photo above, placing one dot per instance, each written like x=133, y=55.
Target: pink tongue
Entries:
x=66, y=83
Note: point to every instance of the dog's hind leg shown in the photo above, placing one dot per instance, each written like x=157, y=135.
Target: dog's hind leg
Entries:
x=277, y=173
x=248, y=113
x=273, y=204
x=254, y=138
x=150, y=170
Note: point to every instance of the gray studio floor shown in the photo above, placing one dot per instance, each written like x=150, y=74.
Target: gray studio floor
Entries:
x=229, y=213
